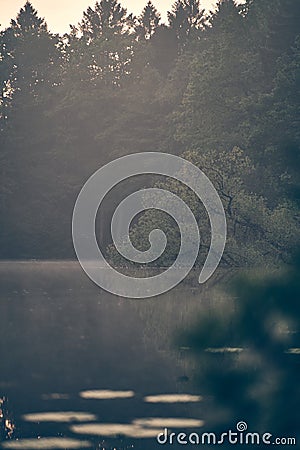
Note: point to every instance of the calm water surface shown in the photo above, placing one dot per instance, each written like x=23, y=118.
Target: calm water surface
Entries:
x=81, y=368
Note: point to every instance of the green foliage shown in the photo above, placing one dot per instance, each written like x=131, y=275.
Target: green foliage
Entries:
x=187, y=18
x=100, y=49
x=248, y=358
x=272, y=123
x=108, y=17
x=224, y=71
x=116, y=84
x=31, y=49
x=147, y=22
x=257, y=233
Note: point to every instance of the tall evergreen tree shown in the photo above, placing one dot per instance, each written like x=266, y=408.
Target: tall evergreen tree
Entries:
x=186, y=18
x=222, y=73
x=27, y=137
x=148, y=21
x=109, y=92
x=108, y=17
x=272, y=122
x=6, y=69
x=100, y=48
x=32, y=48
x=274, y=26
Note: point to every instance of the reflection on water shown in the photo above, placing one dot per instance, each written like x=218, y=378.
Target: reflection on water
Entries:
x=139, y=428
x=291, y=351
x=294, y=351
x=55, y=396
x=165, y=422
x=116, y=429
x=173, y=398
x=46, y=443
x=224, y=350
x=61, y=416
x=71, y=352
x=7, y=426
x=105, y=394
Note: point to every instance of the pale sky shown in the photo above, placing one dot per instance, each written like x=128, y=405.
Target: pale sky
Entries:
x=60, y=13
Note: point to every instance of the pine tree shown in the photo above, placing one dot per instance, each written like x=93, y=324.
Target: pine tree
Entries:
x=148, y=21
x=31, y=80
x=274, y=26
x=32, y=48
x=100, y=49
x=186, y=18
x=222, y=73
x=107, y=18
x=6, y=69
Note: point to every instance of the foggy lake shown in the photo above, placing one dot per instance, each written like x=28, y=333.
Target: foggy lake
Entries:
x=81, y=368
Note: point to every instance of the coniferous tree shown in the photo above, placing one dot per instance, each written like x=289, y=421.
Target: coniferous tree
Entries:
x=148, y=21
x=186, y=18
x=101, y=46
x=6, y=70
x=27, y=136
x=272, y=122
x=108, y=17
x=110, y=90
x=222, y=73
x=32, y=48
x=274, y=27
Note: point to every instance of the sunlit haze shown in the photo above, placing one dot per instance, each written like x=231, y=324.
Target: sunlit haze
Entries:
x=59, y=14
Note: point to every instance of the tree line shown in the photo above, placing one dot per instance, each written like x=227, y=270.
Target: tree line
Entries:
x=219, y=88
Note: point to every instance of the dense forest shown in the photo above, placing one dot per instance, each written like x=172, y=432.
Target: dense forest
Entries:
x=219, y=88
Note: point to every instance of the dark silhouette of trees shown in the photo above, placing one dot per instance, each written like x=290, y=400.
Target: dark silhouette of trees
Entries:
x=115, y=84
x=187, y=18
x=148, y=22
x=31, y=48
x=248, y=355
x=220, y=89
x=108, y=17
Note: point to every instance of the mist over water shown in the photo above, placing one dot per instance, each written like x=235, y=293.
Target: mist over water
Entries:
x=81, y=367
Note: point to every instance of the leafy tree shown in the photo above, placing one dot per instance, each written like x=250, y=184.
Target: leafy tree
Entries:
x=117, y=84
x=257, y=234
x=248, y=355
